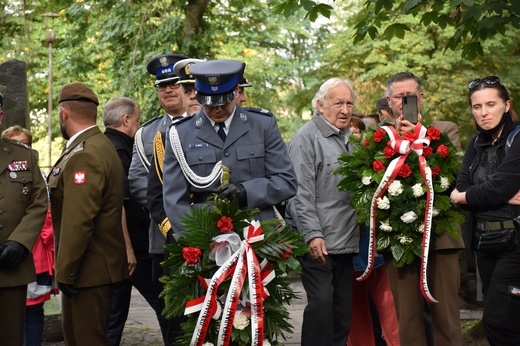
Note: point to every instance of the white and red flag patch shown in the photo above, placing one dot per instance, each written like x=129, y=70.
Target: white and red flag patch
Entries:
x=80, y=177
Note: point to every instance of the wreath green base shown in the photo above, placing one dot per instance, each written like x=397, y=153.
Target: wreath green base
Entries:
x=279, y=247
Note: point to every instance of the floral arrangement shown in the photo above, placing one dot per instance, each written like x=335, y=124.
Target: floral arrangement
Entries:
x=227, y=274
x=400, y=187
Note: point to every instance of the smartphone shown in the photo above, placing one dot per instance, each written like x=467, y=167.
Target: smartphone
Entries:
x=410, y=111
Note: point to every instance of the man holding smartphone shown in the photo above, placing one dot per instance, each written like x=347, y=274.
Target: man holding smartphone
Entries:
x=443, y=260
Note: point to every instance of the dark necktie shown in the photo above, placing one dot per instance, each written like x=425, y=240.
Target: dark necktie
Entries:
x=221, y=132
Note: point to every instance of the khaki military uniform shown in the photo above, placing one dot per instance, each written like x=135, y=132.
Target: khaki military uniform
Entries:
x=86, y=186
x=23, y=206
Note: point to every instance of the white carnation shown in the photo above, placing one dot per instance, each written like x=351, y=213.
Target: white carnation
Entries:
x=420, y=228
x=266, y=342
x=241, y=321
x=417, y=190
x=445, y=183
x=435, y=212
x=396, y=188
x=385, y=226
x=366, y=180
x=404, y=240
x=409, y=217
x=207, y=344
x=383, y=203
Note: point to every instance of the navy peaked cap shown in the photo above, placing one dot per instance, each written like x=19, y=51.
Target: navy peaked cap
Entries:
x=161, y=67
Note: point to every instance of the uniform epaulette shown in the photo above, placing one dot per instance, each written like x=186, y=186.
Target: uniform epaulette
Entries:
x=148, y=122
x=178, y=121
x=259, y=110
x=17, y=143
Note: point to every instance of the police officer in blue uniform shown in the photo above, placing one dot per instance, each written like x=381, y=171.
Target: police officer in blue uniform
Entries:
x=223, y=133
x=168, y=93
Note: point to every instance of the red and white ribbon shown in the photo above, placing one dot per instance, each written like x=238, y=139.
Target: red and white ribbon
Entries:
x=403, y=147
x=241, y=265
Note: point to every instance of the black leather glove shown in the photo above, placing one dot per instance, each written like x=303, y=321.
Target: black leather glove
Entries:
x=12, y=254
x=67, y=289
x=231, y=191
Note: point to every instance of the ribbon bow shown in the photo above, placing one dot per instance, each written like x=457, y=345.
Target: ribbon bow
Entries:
x=240, y=265
x=404, y=147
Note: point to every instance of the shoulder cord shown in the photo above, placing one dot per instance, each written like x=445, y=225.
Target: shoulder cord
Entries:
x=195, y=180
x=140, y=150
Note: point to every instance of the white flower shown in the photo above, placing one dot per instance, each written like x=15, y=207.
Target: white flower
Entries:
x=241, y=321
x=404, y=240
x=445, y=183
x=435, y=212
x=396, y=188
x=409, y=217
x=366, y=180
x=266, y=342
x=420, y=228
x=207, y=344
x=385, y=226
x=383, y=203
x=417, y=190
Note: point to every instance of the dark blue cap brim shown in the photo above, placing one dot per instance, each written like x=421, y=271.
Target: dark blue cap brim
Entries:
x=215, y=100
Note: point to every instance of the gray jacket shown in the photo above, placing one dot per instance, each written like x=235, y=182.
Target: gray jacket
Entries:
x=319, y=209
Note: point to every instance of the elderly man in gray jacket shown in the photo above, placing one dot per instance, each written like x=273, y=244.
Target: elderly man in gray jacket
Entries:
x=324, y=215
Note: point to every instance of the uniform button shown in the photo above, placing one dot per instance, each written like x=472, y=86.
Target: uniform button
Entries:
x=251, y=153
x=71, y=275
x=200, y=158
x=226, y=154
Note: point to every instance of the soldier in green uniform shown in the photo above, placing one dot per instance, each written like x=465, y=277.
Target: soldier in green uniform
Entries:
x=86, y=185
x=23, y=205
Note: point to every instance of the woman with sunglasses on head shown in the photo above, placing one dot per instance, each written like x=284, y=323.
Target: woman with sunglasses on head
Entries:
x=487, y=184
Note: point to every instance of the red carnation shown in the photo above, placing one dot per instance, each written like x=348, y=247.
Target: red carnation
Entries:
x=405, y=171
x=378, y=166
x=378, y=135
x=409, y=136
x=286, y=254
x=191, y=254
x=366, y=143
x=436, y=170
x=388, y=152
x=427, y=151
x=443, y=151
x=225, y=224
x=433, y=133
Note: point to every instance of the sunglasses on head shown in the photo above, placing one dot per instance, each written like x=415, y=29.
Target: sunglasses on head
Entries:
x=490, y=80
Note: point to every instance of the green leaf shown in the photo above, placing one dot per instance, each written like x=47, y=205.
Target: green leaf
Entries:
x=396, y=29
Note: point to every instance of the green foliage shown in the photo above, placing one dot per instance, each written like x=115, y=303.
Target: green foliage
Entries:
x=473, y=21
x=202, y=225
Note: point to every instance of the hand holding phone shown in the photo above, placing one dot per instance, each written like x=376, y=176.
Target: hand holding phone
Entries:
x=410, y=110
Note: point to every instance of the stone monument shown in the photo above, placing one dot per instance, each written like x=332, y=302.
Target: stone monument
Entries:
x=13, y=74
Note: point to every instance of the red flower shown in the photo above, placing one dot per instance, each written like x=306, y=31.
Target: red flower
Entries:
x=443, y=150
x=433, y=133
x=405, y=171
x=366, y=143
x=378, y=135
x=225, y=224
x=191, y=254
x=378, y=166
x=427, y=151
x=388, y=152
x=436, y=170
x=286, y=254
x=409, y=136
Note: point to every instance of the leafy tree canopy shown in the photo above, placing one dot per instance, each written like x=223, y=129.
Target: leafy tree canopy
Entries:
x=473, y=21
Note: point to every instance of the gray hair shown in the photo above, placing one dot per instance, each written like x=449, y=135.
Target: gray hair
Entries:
x=402, y=76
x=116, y=108
x=326, y=86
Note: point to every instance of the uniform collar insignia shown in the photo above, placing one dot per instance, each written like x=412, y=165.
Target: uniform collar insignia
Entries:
x=198, y=123
x=243, y=116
